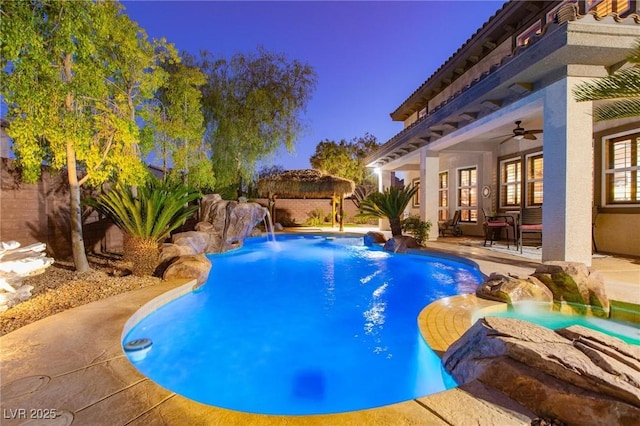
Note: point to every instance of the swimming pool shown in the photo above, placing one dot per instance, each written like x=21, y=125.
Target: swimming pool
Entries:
x=307, y=325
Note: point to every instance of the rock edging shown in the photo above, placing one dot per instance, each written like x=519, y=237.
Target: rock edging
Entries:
x=575, y=375
x=570, y=283
x=17, y=263
x=224, y=225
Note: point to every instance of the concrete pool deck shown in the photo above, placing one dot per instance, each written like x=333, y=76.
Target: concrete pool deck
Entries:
x=72, y=365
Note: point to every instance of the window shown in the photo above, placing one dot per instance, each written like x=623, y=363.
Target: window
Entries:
x=510, y=182
x=415, y=202
x=622, y=172
x=521, y=175
x=443, y=196
x=525, y=37
x=468, y=194
x=535, y=172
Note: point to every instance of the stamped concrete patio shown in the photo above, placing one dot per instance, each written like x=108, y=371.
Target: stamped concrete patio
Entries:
x=71, y=366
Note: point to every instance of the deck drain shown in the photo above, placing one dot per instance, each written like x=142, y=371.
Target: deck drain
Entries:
x=63, y=418
x=24, y=386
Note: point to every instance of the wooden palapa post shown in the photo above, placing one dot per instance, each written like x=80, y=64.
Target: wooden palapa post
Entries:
x=341, y=212
x=333, y=210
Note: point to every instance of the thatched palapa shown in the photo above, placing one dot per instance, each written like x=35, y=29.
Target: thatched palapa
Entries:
x=308, y=183
x=305, y=184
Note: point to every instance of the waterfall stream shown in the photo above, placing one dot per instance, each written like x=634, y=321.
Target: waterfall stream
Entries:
x=268, y=226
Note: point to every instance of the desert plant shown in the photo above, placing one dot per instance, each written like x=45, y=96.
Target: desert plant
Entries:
x=316, y=217
x=390, y=204
x=146, y=216
x=417, y=227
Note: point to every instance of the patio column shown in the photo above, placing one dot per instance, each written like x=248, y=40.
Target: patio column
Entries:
x=429, y=169
x=384, y=181
x=568, y=185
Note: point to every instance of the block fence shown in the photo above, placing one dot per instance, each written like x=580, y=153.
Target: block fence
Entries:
x=39, y=212
x=290, y=211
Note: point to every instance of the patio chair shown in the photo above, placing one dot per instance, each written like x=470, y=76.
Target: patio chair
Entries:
x=493, y=226
x=452, y=225
x=530, y=223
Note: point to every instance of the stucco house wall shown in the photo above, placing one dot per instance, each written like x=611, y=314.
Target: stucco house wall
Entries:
x=473, y=111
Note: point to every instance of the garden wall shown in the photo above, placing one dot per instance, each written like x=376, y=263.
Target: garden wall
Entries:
x=291, y=211
x=39, y=212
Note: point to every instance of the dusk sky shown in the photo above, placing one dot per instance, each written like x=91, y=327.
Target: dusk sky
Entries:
x=369, y=56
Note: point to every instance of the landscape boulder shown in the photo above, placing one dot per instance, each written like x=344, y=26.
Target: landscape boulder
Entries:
x=227, y=223
x=195, y=266
x=373, y=237
x=197, y=241
x=576, y=284
x=574, y=375
x=400, y=244
x=513, y=289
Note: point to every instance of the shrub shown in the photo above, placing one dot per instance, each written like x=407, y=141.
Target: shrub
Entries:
x=316, y=217
x=146, y=216
x=418, y=228
x=390, y=204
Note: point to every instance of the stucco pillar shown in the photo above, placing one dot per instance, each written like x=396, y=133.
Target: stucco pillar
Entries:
x=568, y=185
x=384, y=181
x=429, y=169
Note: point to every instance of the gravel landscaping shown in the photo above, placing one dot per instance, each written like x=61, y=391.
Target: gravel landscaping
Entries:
x=60, y=288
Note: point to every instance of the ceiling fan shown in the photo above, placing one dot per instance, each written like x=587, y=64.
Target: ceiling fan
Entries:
x=520, y=133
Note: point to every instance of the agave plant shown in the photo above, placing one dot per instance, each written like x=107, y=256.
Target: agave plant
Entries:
x=146, y=216
x=622, y=88
x=390, y=204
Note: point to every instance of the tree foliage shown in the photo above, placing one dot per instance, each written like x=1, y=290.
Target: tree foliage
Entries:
x=74, y=75
x=390, y=203
x=175, y=122
x=621, y=89
x=346, y=159
x=252, y=105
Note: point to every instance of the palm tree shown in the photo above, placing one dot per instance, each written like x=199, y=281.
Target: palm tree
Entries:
x=146, y=218
x=622, y=88
x=390, y=204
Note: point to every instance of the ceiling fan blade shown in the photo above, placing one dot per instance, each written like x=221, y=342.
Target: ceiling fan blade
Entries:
x=506, y=140
x=530, y=136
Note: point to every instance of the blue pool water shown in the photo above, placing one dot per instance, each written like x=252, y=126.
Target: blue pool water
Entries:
x=307, y=325
x=628, y=332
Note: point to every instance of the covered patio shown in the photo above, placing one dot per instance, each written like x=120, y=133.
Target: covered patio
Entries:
x=482, y=132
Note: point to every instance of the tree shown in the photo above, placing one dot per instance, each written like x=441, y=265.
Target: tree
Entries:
x=390, y=204
x=346, y=159
x=252, y=106
x=74, y=73
x=622, y=89
x=147, y=217
x=176, y=124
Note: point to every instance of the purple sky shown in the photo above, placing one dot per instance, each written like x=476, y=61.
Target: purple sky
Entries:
x=369, y=56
